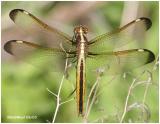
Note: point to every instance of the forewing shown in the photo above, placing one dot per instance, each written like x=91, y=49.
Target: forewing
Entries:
x=120, y=61
x=37, y=55
x=36, y=27
x=117, y=38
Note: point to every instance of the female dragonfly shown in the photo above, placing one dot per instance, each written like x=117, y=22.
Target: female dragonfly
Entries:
x=87, y=54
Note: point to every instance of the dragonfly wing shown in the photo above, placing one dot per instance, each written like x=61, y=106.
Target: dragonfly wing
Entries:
x=36, y=27
x=37, y=55
x=117, y=38
x=120, y=61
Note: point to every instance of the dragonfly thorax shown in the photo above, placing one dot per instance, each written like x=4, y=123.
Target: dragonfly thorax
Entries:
x=80, y=29
x=80, y=33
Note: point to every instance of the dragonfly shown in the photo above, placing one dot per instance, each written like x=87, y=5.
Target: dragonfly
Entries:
x=85, y=54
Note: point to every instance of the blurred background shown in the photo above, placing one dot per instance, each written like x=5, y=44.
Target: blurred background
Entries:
x=24, y=86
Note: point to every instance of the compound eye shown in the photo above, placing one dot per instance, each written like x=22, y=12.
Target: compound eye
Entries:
x=76, y=30
x=85, y=30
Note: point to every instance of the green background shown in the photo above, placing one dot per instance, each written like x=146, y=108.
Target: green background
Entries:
x=24, y=86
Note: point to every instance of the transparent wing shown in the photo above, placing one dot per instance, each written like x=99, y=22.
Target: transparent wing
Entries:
x=117, y=38
x=120, y=61
x=37, y=55
x=36, y=27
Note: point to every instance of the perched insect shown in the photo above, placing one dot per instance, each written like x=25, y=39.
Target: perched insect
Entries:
x=99, y=51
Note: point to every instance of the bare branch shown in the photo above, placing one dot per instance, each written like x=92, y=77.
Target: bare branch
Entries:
x=127, y=98
x=51, y=92
x=59, y=90
x=66, y=101
x=114, y=77
x=134, y=84
x=93, y=93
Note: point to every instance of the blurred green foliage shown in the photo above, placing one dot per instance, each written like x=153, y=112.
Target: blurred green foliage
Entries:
x=24, y=87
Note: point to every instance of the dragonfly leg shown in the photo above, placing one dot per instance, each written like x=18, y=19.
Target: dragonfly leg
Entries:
x=90, y=54
x=74, y=60
x=71, y=93
x=70, y=56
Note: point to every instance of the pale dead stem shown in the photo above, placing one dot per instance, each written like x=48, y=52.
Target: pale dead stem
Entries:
x=134, y=84
x=90, y=100
x=93, y=94
x=126, y=103
x=58, y=99
x=99, y=93
x=148, y=83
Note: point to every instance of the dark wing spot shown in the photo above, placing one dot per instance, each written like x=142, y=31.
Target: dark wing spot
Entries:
x=8, y=46
x=151, y=56
x=14, y=13
x=147, y=21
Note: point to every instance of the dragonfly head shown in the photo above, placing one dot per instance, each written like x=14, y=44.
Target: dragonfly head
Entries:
x=80, y=29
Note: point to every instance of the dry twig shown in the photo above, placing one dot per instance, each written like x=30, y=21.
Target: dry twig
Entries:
x=91, y=97
x=134, y=84
x=58, y=99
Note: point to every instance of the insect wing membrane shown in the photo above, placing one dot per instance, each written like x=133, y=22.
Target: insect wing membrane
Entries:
x=37, y=55
x=39, y=30
x=128, y=33
x=120, y=61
